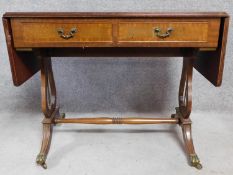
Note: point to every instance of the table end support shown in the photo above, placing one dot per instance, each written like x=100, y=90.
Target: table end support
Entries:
x=184, y=110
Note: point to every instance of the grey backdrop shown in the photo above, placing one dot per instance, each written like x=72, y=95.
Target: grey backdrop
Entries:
x=111, y=85
x=91, y=87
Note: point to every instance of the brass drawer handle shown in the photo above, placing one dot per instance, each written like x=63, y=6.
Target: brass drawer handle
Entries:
x=163, y=35
x=62, y=34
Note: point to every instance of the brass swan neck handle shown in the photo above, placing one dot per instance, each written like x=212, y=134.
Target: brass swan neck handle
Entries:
x=159, y=33
x=69, y=35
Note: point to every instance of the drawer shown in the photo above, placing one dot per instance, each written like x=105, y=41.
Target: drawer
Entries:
x=60, y=33
x=170, y=32
x=29, y=32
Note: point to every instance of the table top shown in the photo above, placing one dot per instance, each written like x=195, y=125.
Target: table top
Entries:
x=115, y=14
x=200, y=35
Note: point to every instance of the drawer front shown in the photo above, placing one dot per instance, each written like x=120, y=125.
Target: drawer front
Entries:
x=115, y=32
x=172, y=33
x=60, y=33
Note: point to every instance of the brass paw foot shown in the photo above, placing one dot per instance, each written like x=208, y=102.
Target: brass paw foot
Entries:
x=40, y=160
x=195, y=162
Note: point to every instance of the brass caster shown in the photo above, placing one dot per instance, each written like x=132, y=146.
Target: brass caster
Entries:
x=40, y=160
x=195, y=162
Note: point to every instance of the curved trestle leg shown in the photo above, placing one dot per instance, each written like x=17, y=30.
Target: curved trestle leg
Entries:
x=186, y=126
x=47, y=137
x=184, y=110
x=46, y=141
x=48, y=103
x=187, y=135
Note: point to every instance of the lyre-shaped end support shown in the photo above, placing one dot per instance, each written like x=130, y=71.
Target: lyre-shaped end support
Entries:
x=184, y=110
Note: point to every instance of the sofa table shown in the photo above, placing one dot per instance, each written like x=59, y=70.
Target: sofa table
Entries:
x=33, y=38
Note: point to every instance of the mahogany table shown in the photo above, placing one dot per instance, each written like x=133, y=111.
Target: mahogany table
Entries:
x=33, y=38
